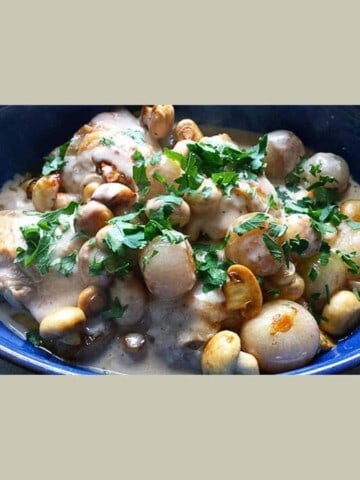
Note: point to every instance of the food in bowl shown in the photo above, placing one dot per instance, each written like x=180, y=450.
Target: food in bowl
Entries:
x=147, y=245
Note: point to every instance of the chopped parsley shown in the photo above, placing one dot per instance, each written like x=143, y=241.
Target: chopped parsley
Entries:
x=226, y=181
x=116, y=310
x=257, y=221
x=40, y=239
x=137, y=135
x=107, y=142
x=139, y=174
x=273, y=248
x=54, y=163
x=210, y=270
x=277, y=229
x=33, y=337
x=273, y=293
x=348, y=259
x=213, y=157
x=66, y=264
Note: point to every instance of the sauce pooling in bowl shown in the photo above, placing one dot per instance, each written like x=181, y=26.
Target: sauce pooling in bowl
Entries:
x=148, y=246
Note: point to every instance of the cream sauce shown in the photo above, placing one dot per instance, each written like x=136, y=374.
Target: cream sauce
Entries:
x=114, y=358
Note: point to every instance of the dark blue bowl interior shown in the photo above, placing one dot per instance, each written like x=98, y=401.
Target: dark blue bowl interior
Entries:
x=28, y=133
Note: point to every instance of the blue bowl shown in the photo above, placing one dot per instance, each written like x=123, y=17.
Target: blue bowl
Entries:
x=28, y=133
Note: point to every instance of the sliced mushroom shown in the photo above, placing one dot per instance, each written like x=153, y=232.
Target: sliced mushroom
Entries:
x=243, y=292
x=45, y=191
x=159, y=119
x=188, y=130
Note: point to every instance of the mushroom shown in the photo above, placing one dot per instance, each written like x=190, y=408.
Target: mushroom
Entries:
x=341, y=315
x=63, y=324
x=159, y=119
x=188, y=130
x=351, y=208
x=92, y=216
x=134, y=342
x=90, y=255
x=91, y=300
x=63, y=200
x=113, y=195
x=28, y=185
x=299, y=224
x=180, y=211
x=246, y=364
x=205, y=198
x=326, y=343
x=45, y=191
x=220, y=354
x=242, y=291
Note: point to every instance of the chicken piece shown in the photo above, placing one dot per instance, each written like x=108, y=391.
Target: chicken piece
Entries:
x=26, y=287
x=181, y=328
x=110, y=138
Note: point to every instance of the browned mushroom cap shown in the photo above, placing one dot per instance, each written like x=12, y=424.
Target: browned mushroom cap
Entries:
x=159, y=119
x=44, y=192
x=61, y=322
x=114, y=194
x=188, y=130
x=93, y=216
x=242, y=291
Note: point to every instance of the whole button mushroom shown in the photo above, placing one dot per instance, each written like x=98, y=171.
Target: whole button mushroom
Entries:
x=93, y=216
x=159, y=119
x=113, y=195
x=187, y=129
x=341, y=315
x=134, y=342
x=221, y=353
x=62, y=323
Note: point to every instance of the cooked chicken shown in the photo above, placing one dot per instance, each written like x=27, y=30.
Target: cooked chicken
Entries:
x=40, y=294
x=112, y=138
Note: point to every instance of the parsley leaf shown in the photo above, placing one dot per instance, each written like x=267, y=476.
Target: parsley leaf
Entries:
x=107, y=142
x=210, y=270
x=40, y=238
x=276, y=229
x=139, y=174
x=254, y=222
x=54, y=163
x=273, y=248
x=135, y=134
x=116, y=310
x=226, y=181
x=67, y=264
x=33, y=337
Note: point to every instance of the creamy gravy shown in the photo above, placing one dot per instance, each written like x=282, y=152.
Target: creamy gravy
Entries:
x=114, y=359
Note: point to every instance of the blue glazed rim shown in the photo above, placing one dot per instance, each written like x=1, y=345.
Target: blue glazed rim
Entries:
x=322, y=128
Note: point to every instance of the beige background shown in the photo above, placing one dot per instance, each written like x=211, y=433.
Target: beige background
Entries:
x=188, y=52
